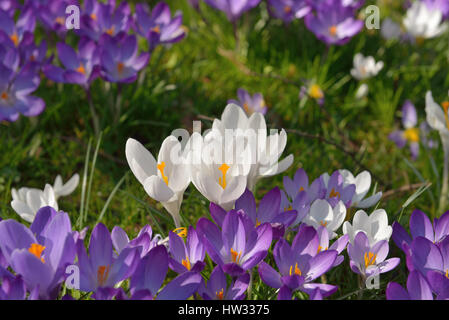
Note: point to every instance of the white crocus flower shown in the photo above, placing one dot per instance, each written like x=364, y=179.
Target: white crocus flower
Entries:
x=62, y=189
x=322, y=214
x=165, y=180
x=422, y=22
x=27, y=201
x=263, y=151
x=375, y=226
x=362, y=184
x=438, y=119
x=365, y=67
x=362, y=91
x=219, y=180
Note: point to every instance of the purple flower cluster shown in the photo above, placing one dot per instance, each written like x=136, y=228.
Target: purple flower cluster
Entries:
x=106, y=48
x=427, y=258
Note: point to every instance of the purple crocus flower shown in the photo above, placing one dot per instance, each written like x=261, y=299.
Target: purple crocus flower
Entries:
x=417, y=289
x=439, y=282
x=442, y=5
x=40, y=253
x=333, y=23
x=104, y=18
x=101, y=269
x=157, y=25
x=15, y=88
x=187, y=256
x=427, y=256
x=144, y=240
x=337, y=190
x=80, y=67
x=233, y=8
x=9, y=6
x=300, y=183
x=421, y=226
x=13, y=288
x=299, y=264
x=299, y=204
x=339, y=245
x=13, y=33
x=287, y=10
x=217, y=287
x=411, y=133
x=150, y=274
x=119, y=58
x=32, y=54
x=355, y=4
x=269, y=211
x=239, y=246
x=250, y=103
x=53, y=15
x=369, y=260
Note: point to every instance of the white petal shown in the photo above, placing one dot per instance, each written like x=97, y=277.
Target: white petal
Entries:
x=157, y=189
x=140, y=160
x=68, y=187
x=370, y=201
x=233, y=190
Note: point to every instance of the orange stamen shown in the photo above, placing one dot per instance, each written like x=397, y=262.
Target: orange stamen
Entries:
x=186, y=263
x=156, y=29
x=182, y=232
x=81, y=69
x=36, y=250
x=297, y=271
x=219, y=294
x=370, y=259
x=102, y=275
x=235, y=256
x=4, y=96
x=15, y=39
x=222, y=181
x=161, y=167
x=333, y=30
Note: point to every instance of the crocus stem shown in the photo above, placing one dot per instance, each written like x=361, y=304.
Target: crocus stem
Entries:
x=95, y=120
x=236, y=35
x=250, y=285
x=118, y=103
x=361, y=287
x=444, y=185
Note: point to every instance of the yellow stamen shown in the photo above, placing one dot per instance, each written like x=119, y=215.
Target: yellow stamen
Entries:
x=4, y=96
x=93, y=16
x=447, y=273
x=246, y=108
x=333, y=31
x=289, y=208
x=257, y=222
x=334, y=194
x=287, y=9
x=161, y=167
x=297, y=271
x=60, y=20
x=81, y=69
x=222, y=181
x=186, y=263
x=370, y=259
x=110, y=31
x=156, y=29
x=182, y=232
x=102, y=275
x=315, y=92
x=235, y=256
x=219, y=294
x=320, y=248
x=15, y=39
x=323, y=223
x=301, y=189
x=36, y=250
x=412, y=134
x=445, y=105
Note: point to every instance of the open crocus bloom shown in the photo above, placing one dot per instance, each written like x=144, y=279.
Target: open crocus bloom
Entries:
x=187, y=256
x=218, y=177
x=239, y=246
x=441, y=5
x=337, y=189
x=287, y=10
x=427, y=256
x=421, y=226
x=369, y=260
x=299, y=264
x=40, y=253
x=144, y=240
x=27, y=201
x=362, y=184
x=365, y=67
x=339, y=245
x=101, y=269
x=375, y=226
x=262, y=152
x=165, y=180
x=422, y=22
x=322, y=214
x=249, y=103
x=333, y=22
x=233, y=8
x=411, y=133
x=217, y=287
x=417, y=289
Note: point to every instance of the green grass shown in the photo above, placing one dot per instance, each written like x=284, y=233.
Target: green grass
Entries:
x=195, y=78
